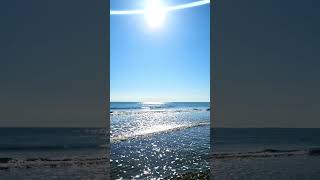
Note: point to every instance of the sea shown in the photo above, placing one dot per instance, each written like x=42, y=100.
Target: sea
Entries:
x=147, y=141
x=265, y=153
x=159, y=141
x=53, y=153
x=151, y=140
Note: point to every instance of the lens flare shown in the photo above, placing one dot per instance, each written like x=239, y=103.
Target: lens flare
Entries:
x=167, y=9
x=155, y=13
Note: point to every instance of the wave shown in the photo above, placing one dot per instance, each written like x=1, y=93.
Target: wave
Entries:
x=50, y=147
x=7, y=163
x=268, y=153
x=126, y=108
x=156, y=130
x=130, y=112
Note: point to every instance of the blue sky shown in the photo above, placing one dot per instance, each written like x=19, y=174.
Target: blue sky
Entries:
x=168, y=63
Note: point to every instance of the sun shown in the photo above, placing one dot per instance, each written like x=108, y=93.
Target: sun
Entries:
x=155, y=13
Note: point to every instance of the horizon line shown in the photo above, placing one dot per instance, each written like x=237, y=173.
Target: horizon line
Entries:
x=210, y=127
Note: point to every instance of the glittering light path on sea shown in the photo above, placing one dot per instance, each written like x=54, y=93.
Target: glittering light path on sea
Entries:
x=171, y=8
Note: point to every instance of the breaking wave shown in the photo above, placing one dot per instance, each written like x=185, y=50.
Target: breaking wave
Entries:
x=267, y=153
x=7, y=163
x=130, y=112
x=156, y=129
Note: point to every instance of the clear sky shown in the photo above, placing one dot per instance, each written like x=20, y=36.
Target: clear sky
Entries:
x=168, y=63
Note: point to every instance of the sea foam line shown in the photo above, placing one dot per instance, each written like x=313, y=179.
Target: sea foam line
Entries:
x=156, y=130
x=10, y=163
x=267, y=153
x=130, y=112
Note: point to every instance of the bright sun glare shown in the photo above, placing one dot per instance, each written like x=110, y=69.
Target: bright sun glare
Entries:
x=155, y=13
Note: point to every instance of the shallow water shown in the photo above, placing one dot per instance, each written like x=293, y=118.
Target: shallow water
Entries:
x=286, y=168
x=159, y=140
x=53, y=153
x=267, y=153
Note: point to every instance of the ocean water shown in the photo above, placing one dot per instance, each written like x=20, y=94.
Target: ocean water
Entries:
x=159, y=140
x=53, y=153
x=265, y=153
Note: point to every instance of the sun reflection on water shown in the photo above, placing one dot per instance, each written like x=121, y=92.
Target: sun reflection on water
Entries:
x=159, y=142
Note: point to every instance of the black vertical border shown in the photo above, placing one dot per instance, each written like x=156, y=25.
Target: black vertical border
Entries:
x=212, y=86
x=106, y=96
